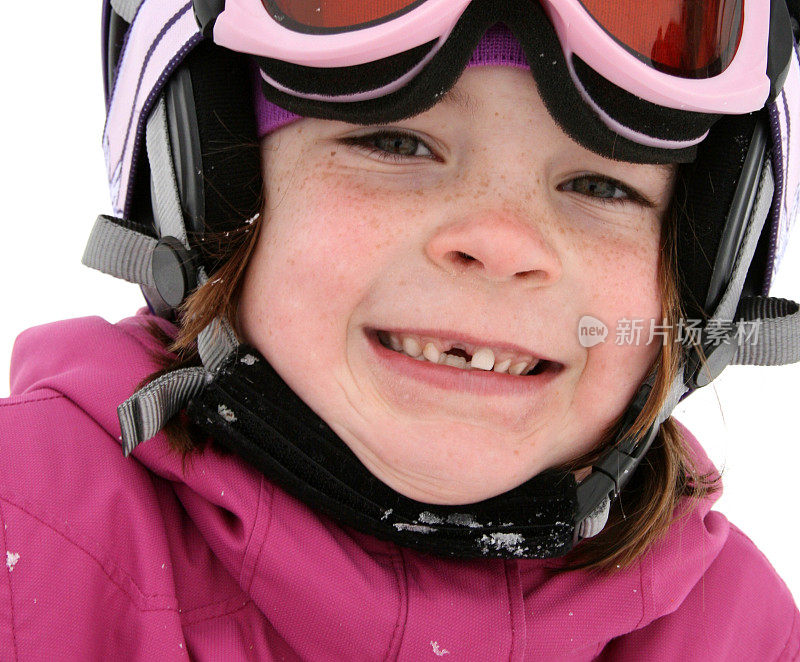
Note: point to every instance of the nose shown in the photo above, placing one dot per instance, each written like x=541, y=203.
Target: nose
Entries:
x=497, y=246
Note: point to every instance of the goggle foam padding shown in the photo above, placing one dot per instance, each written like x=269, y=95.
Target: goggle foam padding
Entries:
x=339, y=81
x=632, y=111
x=498, y=47
x=543, y=50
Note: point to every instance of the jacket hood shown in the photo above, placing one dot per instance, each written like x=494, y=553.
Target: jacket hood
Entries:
x=290, y=563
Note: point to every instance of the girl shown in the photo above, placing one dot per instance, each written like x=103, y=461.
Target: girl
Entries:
x=405, y=357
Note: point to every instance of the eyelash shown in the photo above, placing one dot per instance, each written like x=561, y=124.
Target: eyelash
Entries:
x=629, y=195
x=368, y=143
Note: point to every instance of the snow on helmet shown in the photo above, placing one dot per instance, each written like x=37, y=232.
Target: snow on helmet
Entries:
x=716, y=89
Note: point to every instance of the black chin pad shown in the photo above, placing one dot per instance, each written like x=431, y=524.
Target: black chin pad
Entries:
x=252, y=412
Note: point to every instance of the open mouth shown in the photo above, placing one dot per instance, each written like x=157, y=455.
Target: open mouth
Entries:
x=465, y=356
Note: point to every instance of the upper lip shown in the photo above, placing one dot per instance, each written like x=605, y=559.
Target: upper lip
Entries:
x=467, y=339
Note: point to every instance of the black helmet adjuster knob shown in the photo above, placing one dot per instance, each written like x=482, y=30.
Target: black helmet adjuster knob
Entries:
x=174, y=270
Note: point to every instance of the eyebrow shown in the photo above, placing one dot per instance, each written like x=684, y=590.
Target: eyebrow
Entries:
x=461, y=99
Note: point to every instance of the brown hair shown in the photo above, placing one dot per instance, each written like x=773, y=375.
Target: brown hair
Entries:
x=647, y=506
x=218, y=297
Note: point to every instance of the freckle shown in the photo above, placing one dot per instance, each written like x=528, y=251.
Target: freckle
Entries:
x=333, y=153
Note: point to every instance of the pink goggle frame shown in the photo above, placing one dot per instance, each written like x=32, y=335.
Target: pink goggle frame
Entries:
x=246, y=26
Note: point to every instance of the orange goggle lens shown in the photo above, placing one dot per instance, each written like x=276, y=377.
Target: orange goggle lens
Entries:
x=338, y=14
x=688, y=38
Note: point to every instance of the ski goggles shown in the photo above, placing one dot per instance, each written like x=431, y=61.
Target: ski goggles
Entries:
x=705, y=56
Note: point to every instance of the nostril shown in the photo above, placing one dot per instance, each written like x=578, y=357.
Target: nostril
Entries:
x=464, y=258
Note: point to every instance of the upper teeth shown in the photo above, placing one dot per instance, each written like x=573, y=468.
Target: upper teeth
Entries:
x=483, y=358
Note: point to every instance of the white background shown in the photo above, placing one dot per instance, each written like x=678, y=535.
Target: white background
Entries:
x=53, y=186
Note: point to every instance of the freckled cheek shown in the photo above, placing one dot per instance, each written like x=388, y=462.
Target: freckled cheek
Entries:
x=365, y=222
x=623, y=278
x=328, y=245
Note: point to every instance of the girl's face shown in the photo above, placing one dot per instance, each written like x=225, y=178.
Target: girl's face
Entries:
x=478, y=223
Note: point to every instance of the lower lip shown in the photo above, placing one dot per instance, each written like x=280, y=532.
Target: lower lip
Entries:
x=475, y=381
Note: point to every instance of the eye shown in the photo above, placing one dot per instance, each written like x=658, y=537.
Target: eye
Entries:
x=392, y=145
x=604, y=189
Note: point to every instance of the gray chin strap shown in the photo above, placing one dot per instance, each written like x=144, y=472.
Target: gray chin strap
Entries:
x=759, y=330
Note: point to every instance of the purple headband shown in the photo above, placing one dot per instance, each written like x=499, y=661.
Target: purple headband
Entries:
x=498, y=47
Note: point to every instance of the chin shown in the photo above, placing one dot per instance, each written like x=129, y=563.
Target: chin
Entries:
x=448, y=488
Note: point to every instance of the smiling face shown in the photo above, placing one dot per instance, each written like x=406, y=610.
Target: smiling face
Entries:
x=477, y=229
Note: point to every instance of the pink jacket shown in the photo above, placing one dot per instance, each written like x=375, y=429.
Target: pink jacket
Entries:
x=112, y=559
